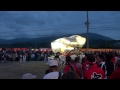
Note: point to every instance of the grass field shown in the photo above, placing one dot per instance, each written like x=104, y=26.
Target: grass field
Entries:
x=15, y=70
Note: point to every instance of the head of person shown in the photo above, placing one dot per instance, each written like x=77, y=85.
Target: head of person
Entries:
x=53, y=65
x=86, y=54
x=109, y=57
x=68, y=59
x=70, y=75
x=117, y=63
x=28, y=76
x=77, y=59
x=100, y=58
x=91, y=59
x=83, y=60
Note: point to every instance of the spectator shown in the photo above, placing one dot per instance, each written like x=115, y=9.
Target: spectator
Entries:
x=79, y=65
x=24, y=58
x=116, y=73
x=42, y=57
x=49, y=70
x=53, y=70
x=109, y=65
x=93, y=72
x=70, y=75
x=57, y=57
x=62, y=59
x=70, y=66
x=21, y=57
x=84, y=63
x=101, y=63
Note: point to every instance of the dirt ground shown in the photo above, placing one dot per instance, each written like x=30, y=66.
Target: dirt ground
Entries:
x=15, y=70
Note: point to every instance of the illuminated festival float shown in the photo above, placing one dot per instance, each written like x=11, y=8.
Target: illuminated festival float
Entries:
x=68, y=44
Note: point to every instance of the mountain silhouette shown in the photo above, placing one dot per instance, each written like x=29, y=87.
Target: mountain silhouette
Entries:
x=94, y=41
x=92, y=36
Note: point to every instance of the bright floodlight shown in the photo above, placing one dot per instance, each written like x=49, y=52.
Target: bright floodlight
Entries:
x=66, y=44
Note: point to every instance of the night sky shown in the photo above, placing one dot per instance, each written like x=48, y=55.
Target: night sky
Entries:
x=19, y=24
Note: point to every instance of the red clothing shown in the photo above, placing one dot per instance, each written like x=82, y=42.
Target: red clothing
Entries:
x=67, y=68
x=84, y=66
x=113, y=60
x=68, y=54
x=115, y=74
x=94, y=72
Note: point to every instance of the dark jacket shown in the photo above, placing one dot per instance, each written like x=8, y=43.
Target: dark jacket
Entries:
x=109, y=67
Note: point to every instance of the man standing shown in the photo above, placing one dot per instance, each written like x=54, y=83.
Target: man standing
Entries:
x=70, y=66
x=53, y=70
x=116, y=73
x=101, y=63
x=93, y=72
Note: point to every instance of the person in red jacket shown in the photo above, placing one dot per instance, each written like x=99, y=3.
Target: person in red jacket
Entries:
x=85, y=66
x=93, y=72
x=112, y=58
x=70, y=66
x=84, y=63
x=116, y=73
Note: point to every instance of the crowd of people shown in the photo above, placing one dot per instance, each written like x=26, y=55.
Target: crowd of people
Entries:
x=95, y=65
x=7, y=56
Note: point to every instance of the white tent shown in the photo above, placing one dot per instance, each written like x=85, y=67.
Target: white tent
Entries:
x=66, y=44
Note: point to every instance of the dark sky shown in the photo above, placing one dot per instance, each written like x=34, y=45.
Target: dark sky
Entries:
x=16, y=24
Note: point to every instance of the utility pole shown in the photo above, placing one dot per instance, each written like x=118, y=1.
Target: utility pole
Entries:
x=87, y=24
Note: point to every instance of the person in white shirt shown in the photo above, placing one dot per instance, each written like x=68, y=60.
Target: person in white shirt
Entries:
x=21, y=57
x=24, y=58
x=52, y=72
x=62, y=59
x=73, y=56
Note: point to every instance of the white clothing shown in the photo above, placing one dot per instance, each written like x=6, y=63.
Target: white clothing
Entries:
x=73, y=57
x=52, y=75
x=28, y=76
x=62, y=60
x=52, y=63
x=21, y=58
x=24, y=58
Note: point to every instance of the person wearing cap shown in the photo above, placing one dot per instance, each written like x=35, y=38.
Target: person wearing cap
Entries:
x=116, y=73
x=53, y=70
x=50, y=58
x=93, y=72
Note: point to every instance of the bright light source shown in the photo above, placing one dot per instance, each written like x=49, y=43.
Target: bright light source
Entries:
x=32, y=49
x=67, y=43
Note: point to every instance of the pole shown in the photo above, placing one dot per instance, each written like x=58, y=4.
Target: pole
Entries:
x=87, y=24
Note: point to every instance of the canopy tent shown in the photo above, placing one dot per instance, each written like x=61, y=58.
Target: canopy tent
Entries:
x=67, y=44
